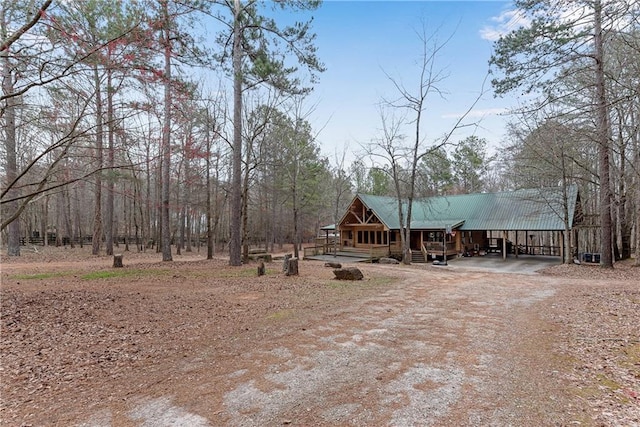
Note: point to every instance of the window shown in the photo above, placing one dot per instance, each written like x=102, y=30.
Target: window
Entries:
x=435, y=236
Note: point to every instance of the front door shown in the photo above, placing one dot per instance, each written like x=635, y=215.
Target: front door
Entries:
x=416, y=240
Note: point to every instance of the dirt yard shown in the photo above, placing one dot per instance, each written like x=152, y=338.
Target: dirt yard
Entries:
x=197, y=343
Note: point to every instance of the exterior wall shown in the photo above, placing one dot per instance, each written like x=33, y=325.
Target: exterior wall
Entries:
x=346, y=237
x=364, y=238
x=475, y=240
x=361, y=229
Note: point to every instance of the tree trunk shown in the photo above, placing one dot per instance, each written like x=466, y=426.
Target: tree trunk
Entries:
x=127, y=217
x=187, y=201
x=166, y=138
x=235, y=257
x=78, y=217
x=637, y=181
x=294, y=198
x=45, y=220
x=209, y=207
x=149, y=232
x=181, y=226
x=604, y=146
x=296, y=239
x=623, y=220
x=59, y=202
x=566, y=235
x=109, y=202
x=11, y=165
x=67, y=216
x=245, y=211
x=97, y=211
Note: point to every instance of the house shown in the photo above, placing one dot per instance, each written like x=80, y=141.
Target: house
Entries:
x=523, y=221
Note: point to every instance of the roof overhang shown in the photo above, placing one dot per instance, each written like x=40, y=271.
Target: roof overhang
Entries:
x=437, y=224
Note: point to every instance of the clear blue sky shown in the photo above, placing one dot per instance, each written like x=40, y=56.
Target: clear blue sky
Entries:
x=359, y=41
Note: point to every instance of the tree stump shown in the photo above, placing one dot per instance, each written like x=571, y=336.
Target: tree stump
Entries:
x=285, y=263
x=117, y=261
x=261, y=269
x=292, y=267
x=351, y=273
x=333, y=264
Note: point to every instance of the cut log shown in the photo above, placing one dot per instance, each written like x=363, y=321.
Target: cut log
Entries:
x=292, y=267
x=333, y=264
x=351, y=273
x=388, y=261
x=261, y=269
x=117, y=261
x=285, y=262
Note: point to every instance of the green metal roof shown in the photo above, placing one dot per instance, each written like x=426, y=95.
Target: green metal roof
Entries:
x=527, y=209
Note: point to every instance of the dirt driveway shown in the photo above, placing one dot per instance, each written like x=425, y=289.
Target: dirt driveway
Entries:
x=197, y=343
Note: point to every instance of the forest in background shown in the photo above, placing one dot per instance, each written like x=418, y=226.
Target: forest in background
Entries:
x=109, y=137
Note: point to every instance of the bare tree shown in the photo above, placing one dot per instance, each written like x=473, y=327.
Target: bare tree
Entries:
x=413, y=103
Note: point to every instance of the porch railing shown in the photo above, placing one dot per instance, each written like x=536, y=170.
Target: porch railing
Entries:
x=438, y=248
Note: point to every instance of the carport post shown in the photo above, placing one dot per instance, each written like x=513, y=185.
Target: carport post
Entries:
x=504, y=244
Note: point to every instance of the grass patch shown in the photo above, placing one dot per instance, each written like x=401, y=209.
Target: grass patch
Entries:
x=608, y=383
x=37, y=276
x=280, y=315
x=235, y=272
x=110, y=274
x=633, y=354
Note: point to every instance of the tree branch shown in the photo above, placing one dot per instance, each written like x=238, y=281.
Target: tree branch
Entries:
x=6, y=44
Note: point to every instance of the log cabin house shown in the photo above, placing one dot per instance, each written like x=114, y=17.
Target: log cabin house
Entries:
x=468, y=224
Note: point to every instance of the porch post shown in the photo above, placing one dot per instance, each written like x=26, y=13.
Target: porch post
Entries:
x=326, y=241
x=444, y=246
x=516, y=243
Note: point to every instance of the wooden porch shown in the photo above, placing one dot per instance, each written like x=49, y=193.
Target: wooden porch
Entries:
x=370, y=253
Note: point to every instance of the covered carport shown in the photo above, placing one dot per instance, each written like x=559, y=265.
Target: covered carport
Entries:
x=507, y=222
x=524, y=264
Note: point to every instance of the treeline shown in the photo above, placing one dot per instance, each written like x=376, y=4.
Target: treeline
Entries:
x=108, y=133
x=179, y=122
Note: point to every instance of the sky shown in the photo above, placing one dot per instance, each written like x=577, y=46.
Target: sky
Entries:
x=360, y=41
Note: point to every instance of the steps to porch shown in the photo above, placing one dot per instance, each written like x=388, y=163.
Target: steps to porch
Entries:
x=417, y=257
